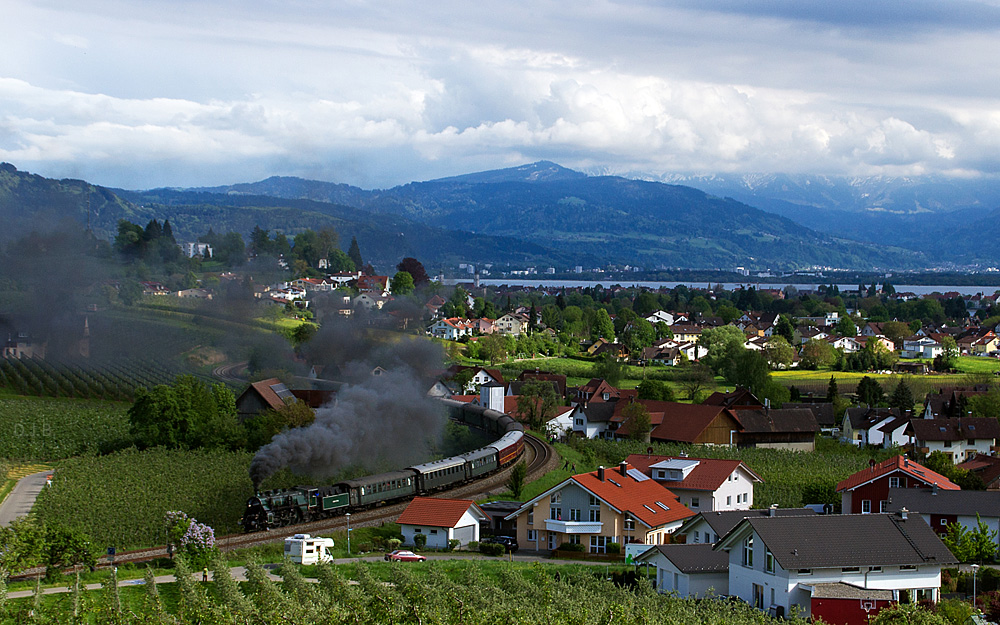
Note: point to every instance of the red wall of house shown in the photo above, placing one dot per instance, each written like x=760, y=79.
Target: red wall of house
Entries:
x=844, y=611
x=938, y=526
x=879, y=491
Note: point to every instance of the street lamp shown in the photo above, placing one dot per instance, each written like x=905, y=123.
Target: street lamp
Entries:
x=975, y=567
x=348, y=515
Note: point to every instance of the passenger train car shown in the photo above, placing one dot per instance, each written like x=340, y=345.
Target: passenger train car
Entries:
x=279, y=508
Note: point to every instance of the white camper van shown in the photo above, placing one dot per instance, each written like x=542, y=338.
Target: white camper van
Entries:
x=304, y=549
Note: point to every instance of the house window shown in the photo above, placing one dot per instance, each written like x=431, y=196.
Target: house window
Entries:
x=850, y=569
x=695, y=502
x=729, y=500
x=908, y=567
x=531, y=516
x=434, y=532
x=607, y=396
x=555, y=514
x=805, y=571
x=874, y=569
x=883, y=506
x=555, y=498
x=574, y=514
x=418, y=530
x=696, y=534
x=972, y=442
x=574, y=539
x=579, y=421
x=895, y=482
x=595, y=515
x=866, y=506
x=748, y=551
x=598, y=544
x=947, y=443
x=768, y=560
x=944, y=521
x=629, y=524
x=532, y=535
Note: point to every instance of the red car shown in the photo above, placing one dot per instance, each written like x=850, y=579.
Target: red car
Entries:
x=401, y=555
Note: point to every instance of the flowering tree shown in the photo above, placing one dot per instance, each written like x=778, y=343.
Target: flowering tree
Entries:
x=196, y=539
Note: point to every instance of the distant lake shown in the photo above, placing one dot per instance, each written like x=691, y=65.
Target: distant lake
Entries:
x=729, y=286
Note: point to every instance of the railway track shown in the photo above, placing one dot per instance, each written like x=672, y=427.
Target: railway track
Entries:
x=539, y=456
x=230, y=373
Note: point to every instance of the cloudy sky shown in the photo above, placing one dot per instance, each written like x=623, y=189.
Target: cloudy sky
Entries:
x=145, y=93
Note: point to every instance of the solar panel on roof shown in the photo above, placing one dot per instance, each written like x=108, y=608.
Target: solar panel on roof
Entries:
x=282, y=391
x=637, y=475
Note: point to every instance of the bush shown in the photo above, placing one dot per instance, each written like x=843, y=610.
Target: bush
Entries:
x=577, y=547
x=491, y=549
x=473, y=545
x=614, y=548
x=420, y=540
x=453, y=544
x=393, y=544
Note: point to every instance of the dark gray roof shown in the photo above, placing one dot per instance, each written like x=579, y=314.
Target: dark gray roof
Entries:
x=840, y=590
x=954, y=429
x=959, y=502
x=723, y=521
x=843, y=540
x=692, y=558
x=824, y=413
x=864, y=417
x=777, y=421
x=598, y=412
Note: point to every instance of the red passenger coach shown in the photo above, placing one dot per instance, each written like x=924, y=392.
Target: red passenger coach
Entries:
x=509, y=447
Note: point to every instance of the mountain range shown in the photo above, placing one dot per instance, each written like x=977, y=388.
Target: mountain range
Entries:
x=546, y=215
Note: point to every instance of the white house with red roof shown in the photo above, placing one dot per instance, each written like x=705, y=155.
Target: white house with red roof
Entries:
x=701, y=484
x=441, y=520
x=867, y=491
x=619, y=505
x=452, y=328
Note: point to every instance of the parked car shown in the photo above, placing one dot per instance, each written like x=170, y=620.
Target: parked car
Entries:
x=402, y=555
x=509, y=543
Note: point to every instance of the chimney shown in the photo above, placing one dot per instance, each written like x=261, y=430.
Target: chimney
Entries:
x=906, y=462
x=934, y=488
x=773, y=510
x=903, y=513
x=623, y=468
x=600, y=473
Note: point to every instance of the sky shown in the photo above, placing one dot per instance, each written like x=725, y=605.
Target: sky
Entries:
x=149, y=93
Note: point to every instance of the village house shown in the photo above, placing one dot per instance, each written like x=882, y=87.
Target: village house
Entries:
x=616, y=505
x=862, y=425
x=689, y=570
x=514, y=324
x=450, y=329
x=867, y=491
x=986, y=467
x=960, y=438
x=941, y=508
x=702, y=484
x=441, y=520
x=777, y=564
x=794, y=429
x=710, y=527
x=374, y=285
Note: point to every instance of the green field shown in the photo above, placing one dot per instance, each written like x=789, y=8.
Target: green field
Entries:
x=120, y=499
x=34, y=428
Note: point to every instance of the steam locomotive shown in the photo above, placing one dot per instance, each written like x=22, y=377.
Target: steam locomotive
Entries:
x=279, y=508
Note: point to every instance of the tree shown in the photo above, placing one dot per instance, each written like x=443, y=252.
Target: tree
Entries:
x=906, y=614
x=608, y=368
x=654, y=390
x=696, y=379
x=518, y=476
x=870, y=392
x=186, y=414
x=493, y=348
x=637, y=417
x=66, y=547
x=749, y=369
x=354, y=252
x=896, y=331
x=537, y=403
x=721, y=344
x=977, y=545
x=603, y=327
x=902, y=397
x=23, y=546
x=639, y=334
x=401, y=284
x=832, y=392
x=784, y=328
x=416, y=270
x=986, y=405
x=846, y=327
x=949, y=355
x=778, y=352
x=817, y=353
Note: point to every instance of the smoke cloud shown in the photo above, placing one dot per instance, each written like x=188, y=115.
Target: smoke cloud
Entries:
x=376, y=421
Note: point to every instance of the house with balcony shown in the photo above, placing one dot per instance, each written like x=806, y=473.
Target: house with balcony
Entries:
x=817, y=564
x=701, y=484
x=615, y=505
x=960, y=439
x=867, y=491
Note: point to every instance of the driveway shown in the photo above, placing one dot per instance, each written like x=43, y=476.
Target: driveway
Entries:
x=20, y=500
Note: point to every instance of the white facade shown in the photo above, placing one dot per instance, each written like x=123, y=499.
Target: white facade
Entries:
x=735, y=493
x=304, y=549
x=466, y=530
x=670, y=579
x=961, y=450
x=589, y=429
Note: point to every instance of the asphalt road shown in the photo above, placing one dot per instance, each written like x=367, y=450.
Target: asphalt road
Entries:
x=20, y=500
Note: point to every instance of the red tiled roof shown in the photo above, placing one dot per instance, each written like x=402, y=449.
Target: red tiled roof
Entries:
x=897, y=463
x=685, y=422
x=640, y=499
x=267, y=394
x=436, y=512
x=709, y=475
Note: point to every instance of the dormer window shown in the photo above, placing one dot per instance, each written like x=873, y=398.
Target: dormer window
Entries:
x=607, y=396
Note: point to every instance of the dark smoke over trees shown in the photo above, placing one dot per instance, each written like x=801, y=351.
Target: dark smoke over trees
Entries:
x=378, y=421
